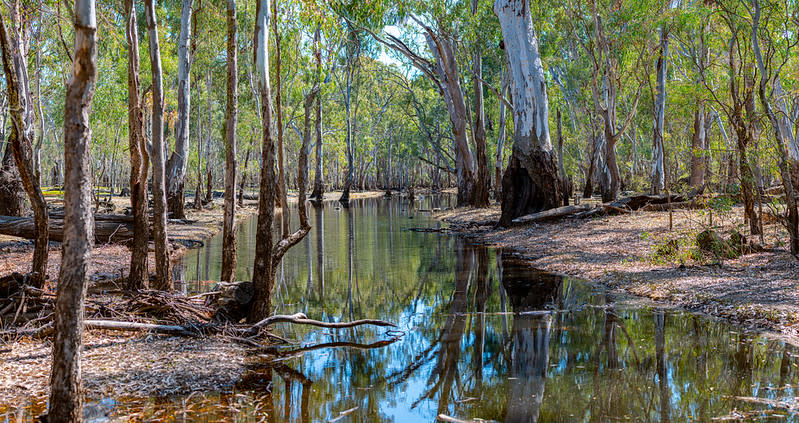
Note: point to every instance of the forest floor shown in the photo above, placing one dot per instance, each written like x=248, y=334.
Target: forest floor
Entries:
x=634, y=254
x=129, y=365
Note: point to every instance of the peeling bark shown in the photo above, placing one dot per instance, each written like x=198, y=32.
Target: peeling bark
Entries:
x=531, y=182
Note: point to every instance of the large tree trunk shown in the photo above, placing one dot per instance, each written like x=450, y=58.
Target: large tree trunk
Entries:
x=658, y=169
x=698, y=147
x=22, y=134
x=229, y=231
x=163, y=277
x=531, y=182
x=65, y=392
x=318, y=183
x=564, y=180
x=176, y=166
x=139, y=159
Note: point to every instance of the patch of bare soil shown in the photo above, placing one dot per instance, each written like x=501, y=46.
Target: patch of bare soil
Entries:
x=639, y=254
x=116, y=366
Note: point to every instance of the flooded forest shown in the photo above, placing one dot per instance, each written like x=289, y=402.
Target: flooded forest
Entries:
x=399, y=211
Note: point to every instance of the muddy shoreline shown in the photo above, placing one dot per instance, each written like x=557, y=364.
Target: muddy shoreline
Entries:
x=624, y=254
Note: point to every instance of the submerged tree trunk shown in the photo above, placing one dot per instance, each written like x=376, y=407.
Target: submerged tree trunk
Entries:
x=229, y=224
x=163, y=277
x=176, y=166
x=531, y=182
x=22, y=134
x=139, y=159
x=65, y=391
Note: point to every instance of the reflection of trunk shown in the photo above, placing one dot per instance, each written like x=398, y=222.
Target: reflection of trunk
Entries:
x=531, y=182
x=229, y=223
x=176, y=166
x=65, y=391
x=481, y=293
x=22, y=134
x=162, y=274
x=662, y=365
x=531, y=337
x=445, y=372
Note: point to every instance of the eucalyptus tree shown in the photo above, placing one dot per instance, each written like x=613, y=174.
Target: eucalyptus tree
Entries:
x=231, y=116
x=268, y=253
x=65, y=400
x=531, y=181
x=15, y=42
x=773, y=100
x=163, y=277
x=139, y=158
x=661, y=70
x=178, y=161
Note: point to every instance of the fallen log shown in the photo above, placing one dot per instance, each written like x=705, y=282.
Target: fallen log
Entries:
x=551, y=214
x=636, y=202
x=685, y=205
x=104, y=231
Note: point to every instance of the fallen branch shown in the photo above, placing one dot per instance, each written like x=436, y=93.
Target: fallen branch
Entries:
x=302, y=319
x=139, y=327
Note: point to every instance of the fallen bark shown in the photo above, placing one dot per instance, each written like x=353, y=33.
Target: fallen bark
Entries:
x=104, y=231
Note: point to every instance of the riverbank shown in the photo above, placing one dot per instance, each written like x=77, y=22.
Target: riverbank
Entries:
x=638, y=254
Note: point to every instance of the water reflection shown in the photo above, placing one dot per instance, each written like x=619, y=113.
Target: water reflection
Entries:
x=485, y=337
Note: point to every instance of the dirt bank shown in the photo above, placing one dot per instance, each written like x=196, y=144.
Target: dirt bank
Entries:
x=633, y=254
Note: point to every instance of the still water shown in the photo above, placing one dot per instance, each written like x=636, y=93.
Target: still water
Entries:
x=481, y=337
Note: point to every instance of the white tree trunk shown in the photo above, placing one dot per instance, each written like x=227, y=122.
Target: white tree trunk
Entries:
x=176, y=167
x=531, y=182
